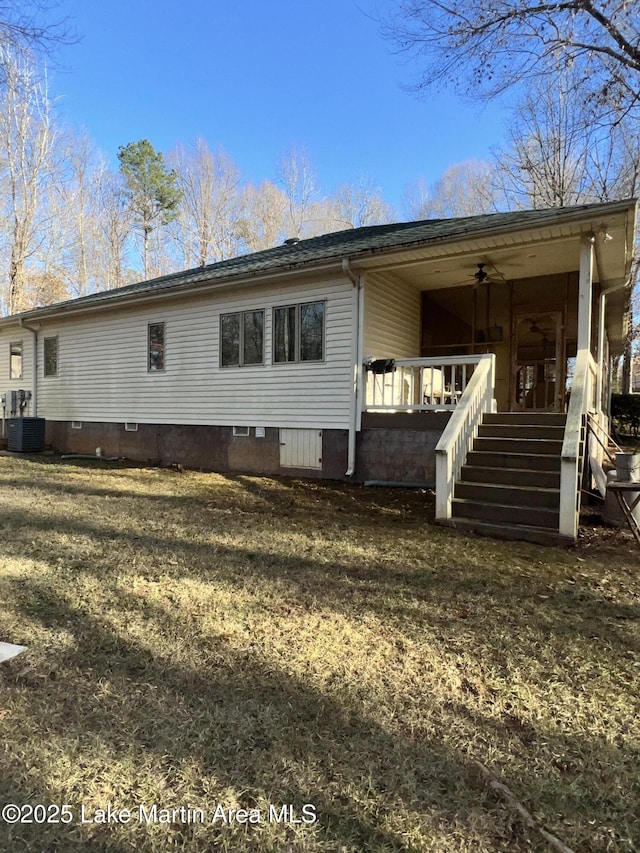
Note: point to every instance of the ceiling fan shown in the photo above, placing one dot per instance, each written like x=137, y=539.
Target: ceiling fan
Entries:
x=481, y=276
x=534, y=328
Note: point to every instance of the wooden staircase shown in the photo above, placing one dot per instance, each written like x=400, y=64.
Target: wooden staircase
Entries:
x=509, y=486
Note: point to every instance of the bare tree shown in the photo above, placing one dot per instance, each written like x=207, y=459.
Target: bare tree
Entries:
x=464, y=189
x=78, y=213
x=416, y=198
x=210, y=192
x=113, y=229
x=360, y=203
x=494, y=44
x=556, y=157
x=26, y=27
x=27, y=136
x=544, y=161
x=264, y=216
x=297, y=177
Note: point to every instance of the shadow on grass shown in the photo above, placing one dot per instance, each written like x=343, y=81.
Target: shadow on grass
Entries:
x=417, y=596
x=245, y=726
x=241, y=724
x=281, y=495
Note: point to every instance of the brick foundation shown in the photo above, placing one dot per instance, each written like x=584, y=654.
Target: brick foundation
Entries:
x=385, y=452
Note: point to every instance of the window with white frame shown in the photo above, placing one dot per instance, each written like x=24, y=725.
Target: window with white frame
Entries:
x=51, y=356
x=15, y=360
x=155, y=354
x=298, y=332
x=242, y=338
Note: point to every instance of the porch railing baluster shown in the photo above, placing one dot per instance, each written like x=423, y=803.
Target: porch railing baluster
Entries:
x=421, y=384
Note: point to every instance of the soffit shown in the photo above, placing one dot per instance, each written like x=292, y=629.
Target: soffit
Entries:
x=518, y=254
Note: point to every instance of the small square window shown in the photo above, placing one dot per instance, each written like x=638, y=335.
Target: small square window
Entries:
x=76, y=424
x=15, y=360
x=241, y=430
x=130, y=426
x=51, y=356
x=156, y=347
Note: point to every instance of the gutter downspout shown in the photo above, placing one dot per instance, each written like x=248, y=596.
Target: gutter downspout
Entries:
x=356, y=342
x=34, y=392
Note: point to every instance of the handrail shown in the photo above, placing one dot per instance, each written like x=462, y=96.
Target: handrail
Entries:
x=580, y=402
x=457, y=438
x=435, y=361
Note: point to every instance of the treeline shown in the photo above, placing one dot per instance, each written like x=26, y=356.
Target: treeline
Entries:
x=72, y=225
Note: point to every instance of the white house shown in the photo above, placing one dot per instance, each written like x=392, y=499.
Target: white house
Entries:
x=384, y=353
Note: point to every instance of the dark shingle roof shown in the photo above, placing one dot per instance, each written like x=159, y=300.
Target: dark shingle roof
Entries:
x=354, y=243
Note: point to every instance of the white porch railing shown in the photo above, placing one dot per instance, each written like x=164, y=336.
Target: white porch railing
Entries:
x=419, y=384
x=583, y=400
x=457, y=438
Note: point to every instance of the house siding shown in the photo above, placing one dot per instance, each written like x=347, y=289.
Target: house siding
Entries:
x=102, y=364
x=391, y=319
x=14, y=334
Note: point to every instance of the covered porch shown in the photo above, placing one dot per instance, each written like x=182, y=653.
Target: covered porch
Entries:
x=519, y=321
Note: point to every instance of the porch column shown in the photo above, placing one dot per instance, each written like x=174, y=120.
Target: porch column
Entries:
x=584, y=292
x=601, y=352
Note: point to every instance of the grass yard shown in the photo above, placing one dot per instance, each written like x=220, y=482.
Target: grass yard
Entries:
x=198, y=640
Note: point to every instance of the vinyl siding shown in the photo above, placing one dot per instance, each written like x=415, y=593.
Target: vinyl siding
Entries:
x=391, y=319
x=10, y=335
x=102, y=365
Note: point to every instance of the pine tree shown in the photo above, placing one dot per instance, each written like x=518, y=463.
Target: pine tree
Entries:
x=151, y=189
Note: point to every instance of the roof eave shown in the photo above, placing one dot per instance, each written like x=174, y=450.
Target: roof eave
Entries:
x=188, y=288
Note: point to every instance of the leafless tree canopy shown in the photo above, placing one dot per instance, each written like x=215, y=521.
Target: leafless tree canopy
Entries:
x=493, y=44
x=33, y=25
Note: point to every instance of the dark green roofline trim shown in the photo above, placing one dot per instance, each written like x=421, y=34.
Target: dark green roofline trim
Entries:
x=326, y=251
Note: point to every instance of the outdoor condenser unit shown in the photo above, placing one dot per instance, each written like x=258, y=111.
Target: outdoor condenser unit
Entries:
x=25, y=435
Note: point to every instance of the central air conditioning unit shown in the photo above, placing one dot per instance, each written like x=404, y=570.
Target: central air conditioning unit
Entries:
x=25, y=435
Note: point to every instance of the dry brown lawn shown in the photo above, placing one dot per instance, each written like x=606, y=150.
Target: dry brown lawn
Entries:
x=197, y=641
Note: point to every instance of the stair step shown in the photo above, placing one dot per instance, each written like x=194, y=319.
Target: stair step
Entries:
x=531, y=418
x=522, y=532
x=538, y=462
x=518, y=496
x=518, y=445
x=511, y=476
x=505, y=513
x=521, y=430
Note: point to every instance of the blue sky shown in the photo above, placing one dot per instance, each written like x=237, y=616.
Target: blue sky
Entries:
x=258, y=77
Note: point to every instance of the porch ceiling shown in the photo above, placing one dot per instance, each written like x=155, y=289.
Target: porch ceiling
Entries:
x=517, y=254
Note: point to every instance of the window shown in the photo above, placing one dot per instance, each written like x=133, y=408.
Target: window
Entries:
x=241, y=430
x=15, y=360
x=298, y=332
x=156, y=347
x=51, y=356
x=242, y=338
x=131, y=426
x=76, y=424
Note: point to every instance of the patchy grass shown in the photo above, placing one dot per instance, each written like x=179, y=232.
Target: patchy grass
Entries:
x=197, y=640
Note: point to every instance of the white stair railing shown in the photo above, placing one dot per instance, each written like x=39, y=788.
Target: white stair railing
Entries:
x=581, y=402
x=457, y=438
x=419, y=384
